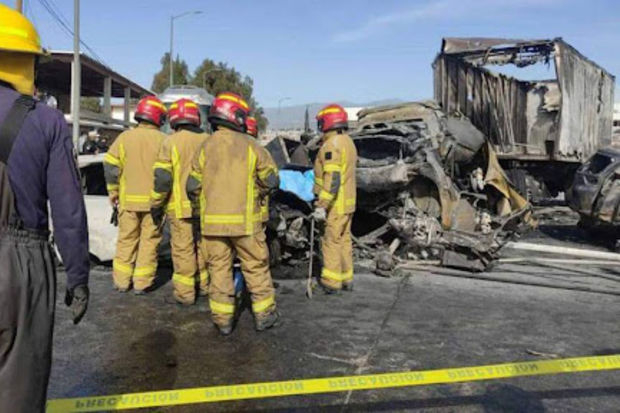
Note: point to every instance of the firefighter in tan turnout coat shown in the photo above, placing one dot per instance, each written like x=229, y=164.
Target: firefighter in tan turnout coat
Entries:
x=128, y=169
x=171, y=172
x=335, y=188
x=230, y=177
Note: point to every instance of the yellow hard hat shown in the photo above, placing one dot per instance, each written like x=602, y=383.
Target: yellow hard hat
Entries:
x=17, y=34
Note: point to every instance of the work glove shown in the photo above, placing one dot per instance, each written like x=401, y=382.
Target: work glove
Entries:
x=158, y=216
x=77, y=300
x=319, y=214
x=114, y=217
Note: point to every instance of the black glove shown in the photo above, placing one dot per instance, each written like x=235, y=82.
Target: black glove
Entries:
x=114, y=218
x=158, y=216
x=77, y=300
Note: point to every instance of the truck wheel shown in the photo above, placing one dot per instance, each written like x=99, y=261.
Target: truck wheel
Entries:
x=275, y=252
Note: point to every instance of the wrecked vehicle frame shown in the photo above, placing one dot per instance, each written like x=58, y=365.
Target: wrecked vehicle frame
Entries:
x=430, y=187
x=595, y=194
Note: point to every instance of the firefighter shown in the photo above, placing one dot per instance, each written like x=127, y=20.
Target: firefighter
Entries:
x=334, y=171
x=128, y=167
x=37, y=167
x=171, y=171
x=230, y=175
x=251, y=127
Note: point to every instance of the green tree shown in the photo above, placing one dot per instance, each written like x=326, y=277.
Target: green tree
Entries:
x=214, y=78
x=161, y=80
x=91, y=104
x=219, y=77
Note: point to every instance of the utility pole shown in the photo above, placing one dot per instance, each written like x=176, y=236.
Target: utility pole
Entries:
x=76, y=78
x=19, y=6
x=171, y=62
x=172, y=19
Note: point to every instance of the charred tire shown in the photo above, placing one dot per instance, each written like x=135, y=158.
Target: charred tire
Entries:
x=275, y=252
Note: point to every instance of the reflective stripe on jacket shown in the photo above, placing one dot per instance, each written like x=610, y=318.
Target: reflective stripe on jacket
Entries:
x=171, y=171
x=129, y=164
x=230, y=177
x=334, y=171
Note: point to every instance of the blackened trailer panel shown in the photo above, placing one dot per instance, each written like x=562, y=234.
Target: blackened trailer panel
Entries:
x=587, y=102
x=496, y=104
x=514, y=114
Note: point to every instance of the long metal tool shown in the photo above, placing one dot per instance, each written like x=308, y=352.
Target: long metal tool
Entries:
x=309, y=282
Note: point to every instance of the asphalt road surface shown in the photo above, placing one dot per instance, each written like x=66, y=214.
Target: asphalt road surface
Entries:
x=130, y=344
x=416, y=321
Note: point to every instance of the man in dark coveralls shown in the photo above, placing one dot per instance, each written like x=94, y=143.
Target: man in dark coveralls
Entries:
x=37, y=165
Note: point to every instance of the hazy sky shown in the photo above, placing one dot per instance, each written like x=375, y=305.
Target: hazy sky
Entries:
x=325, y=50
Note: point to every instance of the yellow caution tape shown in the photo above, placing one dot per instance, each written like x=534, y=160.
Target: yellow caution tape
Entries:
x=332, y=384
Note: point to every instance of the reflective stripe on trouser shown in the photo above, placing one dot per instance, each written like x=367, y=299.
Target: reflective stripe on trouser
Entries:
x=337, y=251
x=187, y=260
x=27, y=303
x=136, y=250
x=254, y=256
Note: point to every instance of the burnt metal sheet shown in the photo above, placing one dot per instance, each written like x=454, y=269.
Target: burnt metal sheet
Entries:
x=566, y=119
x=452, y=45
x=586, y=105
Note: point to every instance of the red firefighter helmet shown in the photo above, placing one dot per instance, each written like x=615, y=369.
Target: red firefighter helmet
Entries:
x=251, y=126
x=184, y=112
x=230, y=110
x=332, y=117
x=151, y=110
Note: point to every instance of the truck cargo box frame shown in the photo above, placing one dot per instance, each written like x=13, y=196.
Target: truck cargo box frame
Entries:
x=565, y=119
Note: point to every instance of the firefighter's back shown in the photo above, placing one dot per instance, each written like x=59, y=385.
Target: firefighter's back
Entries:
x=137, y=150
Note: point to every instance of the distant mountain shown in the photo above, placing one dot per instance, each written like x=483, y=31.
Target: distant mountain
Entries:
x=292, y=117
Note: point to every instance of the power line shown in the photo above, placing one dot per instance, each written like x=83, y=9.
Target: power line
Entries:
x=64, y=24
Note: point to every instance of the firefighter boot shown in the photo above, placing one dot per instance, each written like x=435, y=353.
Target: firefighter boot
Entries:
x=271, y=320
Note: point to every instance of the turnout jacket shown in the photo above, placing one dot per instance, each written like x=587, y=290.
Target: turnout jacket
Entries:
x=128, y=166
x=334, y=173
x=231, y=175
x=172, y=169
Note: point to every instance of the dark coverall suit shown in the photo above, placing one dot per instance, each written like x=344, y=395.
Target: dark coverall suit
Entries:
x=38, y=167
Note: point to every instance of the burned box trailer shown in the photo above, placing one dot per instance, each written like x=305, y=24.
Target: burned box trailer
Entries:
x=541, y=130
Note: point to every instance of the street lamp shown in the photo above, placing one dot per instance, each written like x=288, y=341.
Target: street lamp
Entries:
x=204, y=76
x=280, y=102
x=172, y=19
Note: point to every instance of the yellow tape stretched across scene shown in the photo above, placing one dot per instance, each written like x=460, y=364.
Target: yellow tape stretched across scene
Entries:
x=332, y=384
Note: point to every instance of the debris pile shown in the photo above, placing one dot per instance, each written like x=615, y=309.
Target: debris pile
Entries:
x=430, y=187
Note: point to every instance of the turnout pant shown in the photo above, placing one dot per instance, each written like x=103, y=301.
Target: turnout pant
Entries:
x=136, y=250
x=254, y=256
x=187, y=260
x=27, y=303
x=337, y=249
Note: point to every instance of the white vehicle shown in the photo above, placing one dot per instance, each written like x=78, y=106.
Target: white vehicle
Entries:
x=194, y=93
x=102, y=234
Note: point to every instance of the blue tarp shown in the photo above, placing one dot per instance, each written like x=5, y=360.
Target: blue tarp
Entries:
x=299, y=183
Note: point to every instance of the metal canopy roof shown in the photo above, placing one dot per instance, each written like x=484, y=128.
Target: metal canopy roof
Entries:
x=54, y=75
